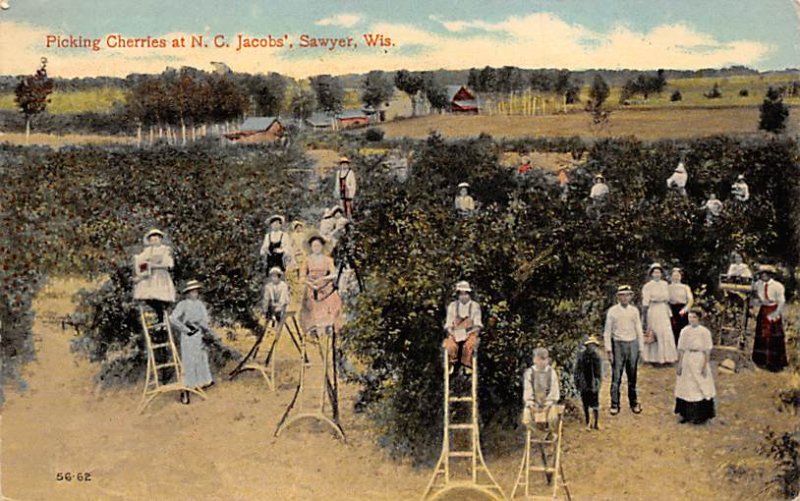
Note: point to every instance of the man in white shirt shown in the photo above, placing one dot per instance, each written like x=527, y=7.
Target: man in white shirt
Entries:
x=463, y=324
x=624, y=340
x=740, y=190
x=344, y=186
x=677, y=181
x=769, y=345
x=540, y=389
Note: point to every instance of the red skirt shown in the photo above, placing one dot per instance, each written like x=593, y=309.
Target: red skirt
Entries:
x=769, y=346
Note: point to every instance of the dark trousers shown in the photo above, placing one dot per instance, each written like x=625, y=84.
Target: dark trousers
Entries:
x=626, y=357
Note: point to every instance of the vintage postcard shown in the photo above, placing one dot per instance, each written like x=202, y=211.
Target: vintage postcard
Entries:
x=392, y=250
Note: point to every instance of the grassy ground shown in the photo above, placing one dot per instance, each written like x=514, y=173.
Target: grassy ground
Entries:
x=645, y=124
x=223, y=448
x=98, y=100
x=59, y=140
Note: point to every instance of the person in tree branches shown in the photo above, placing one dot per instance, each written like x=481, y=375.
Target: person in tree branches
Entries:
x=345, y=186
x=524, y=165
x=464, y=203
x=540, y=390
x=740, y=190
x=624, y=340
x=677, y=181
x=190, y=318
x=769, y=345
x=462, y=325
x=588, y=377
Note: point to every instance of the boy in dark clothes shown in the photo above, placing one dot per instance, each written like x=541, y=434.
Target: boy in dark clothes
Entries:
x=588, y=375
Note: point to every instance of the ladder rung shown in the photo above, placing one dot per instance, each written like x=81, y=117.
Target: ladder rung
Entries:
x=461, y=399
x=160, y=345
x=461, y=454
x=156, y=326
x=162, y=366
x=462, y=426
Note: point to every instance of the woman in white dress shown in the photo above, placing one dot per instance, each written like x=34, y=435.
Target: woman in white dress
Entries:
x=655, y=310
x=694, y=387
x=152, y=280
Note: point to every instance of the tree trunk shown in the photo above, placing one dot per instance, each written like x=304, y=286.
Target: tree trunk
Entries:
x=183, y=132
x=151, y=135
x=413, y=104
x=27, y=129
x=139, y=135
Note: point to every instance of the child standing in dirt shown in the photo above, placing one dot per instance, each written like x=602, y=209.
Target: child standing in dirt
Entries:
x=588, y=377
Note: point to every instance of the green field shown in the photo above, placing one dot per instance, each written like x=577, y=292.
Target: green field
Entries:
x=97, y=100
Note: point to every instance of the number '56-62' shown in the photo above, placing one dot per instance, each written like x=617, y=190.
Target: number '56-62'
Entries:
x=69, y=477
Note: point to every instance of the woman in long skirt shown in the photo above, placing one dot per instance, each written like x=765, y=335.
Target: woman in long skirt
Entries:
x=681, y=300
x=655, y=303
x=322, y=305
x=769, y=345
x=190, y=318
x=152, y=279
x=694, y=387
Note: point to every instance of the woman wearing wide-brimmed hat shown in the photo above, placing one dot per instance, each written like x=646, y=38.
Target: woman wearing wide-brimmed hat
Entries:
x=464, y=203
x=152, y=280
x=769, y=345
x=661, y=347
x=277, y=245
x=322, y=305
x=190, y=319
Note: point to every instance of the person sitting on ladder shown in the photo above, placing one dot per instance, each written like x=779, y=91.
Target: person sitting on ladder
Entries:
x=463, y=324
x=541, y=391
x=190, y=318
x=277, y=245
x=276, y=296
x=153, y=283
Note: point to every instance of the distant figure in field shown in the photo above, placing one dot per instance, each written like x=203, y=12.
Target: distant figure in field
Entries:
x=769, y=345
x=713, y=207
x=563, y=182
x=463, y=325
x=694, y=387
x=599, y=192
x=740, y=190
x=464, y=203
x=277, y=245
x=677, y=181
x=345, y=186
x=681, y=300
x=190, y=318
x=525, y=165
x=738, y=268
x=152, y=279
x=540, y=390
x=624, y=340
x=588, y=378
x=660, y=347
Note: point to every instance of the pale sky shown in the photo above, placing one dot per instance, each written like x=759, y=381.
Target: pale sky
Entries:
x=574, y=34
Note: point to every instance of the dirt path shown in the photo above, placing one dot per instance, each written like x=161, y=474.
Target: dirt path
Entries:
x=223, y=448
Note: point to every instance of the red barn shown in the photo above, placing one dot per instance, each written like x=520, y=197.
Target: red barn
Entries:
x=351, y=118
x=257, y=130
x=462, y=100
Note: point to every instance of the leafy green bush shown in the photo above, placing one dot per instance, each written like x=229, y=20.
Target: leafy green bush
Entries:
x=784, y=448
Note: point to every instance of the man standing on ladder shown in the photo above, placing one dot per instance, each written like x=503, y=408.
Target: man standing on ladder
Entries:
x=345, y=186
x=190, y=318
x=463, y=324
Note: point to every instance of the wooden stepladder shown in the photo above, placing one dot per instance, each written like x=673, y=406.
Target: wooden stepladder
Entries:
x=287, y=323
x=317, y=379
x=159, y=339
x=547, y=442
x=478, y=477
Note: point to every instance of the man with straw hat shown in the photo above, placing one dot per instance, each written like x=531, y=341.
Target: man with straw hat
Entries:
x=276, y=295
x=464, y=203
x=190, y=319
x=462, y=325
x=345, y=186
x=588, y=377
x=769, y=345
x=624, y=340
